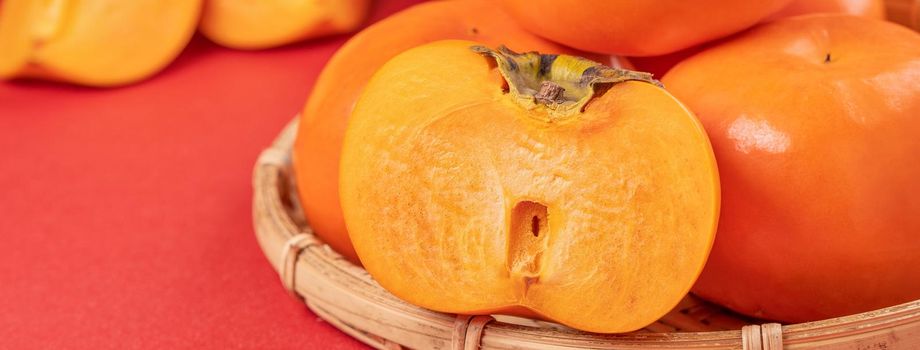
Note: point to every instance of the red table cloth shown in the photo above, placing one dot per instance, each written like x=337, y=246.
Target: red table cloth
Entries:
x=125, y=213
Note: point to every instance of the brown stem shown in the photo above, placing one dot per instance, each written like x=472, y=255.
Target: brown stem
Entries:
x=562, y=85
x=550, y=93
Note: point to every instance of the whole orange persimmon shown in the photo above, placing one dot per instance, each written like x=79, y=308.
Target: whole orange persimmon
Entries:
x=638, y=28
x=481, y=181
x=322, y=125
x=866, y=8
x=815, y=122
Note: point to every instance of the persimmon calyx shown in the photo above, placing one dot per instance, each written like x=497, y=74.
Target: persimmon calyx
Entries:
x=561, y=84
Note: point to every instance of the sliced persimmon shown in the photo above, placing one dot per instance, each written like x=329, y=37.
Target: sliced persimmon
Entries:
x=582, y=193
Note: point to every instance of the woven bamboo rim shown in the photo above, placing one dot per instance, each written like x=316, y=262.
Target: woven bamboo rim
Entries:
x=348, y=298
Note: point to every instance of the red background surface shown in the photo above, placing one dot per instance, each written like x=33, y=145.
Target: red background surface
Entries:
x=125, y=217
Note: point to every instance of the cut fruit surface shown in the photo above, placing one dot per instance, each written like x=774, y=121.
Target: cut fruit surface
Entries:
x=594, y=206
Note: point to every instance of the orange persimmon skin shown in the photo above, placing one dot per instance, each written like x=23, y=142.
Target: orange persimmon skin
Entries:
x=322, y=126
x=638, y=28
x=261, y=24
x=906, y=13
x=93, y=42
x=460, y=199
x=659, y=65
x=865, y=8
x=814, y=121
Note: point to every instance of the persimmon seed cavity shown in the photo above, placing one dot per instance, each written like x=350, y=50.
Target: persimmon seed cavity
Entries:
x=535, y=226
x=527, y=238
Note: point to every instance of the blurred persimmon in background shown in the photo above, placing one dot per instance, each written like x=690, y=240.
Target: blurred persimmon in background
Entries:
x=260, y=24
x=659, y=65
x=112, y=42
x=93, y=42
x=865, y=8
x=638, y=28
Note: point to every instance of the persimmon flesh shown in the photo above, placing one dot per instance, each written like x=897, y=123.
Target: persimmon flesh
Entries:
x=322, y=125
x=585, y=194
x=93, y=42
x=260, y=24
x=815, y=123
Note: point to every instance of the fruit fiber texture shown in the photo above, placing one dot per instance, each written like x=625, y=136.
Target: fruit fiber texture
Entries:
x=325, y=116
x=638, y=28
x=464, y=197
x=93, y=42
x=815, y=123
x=261, y=24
